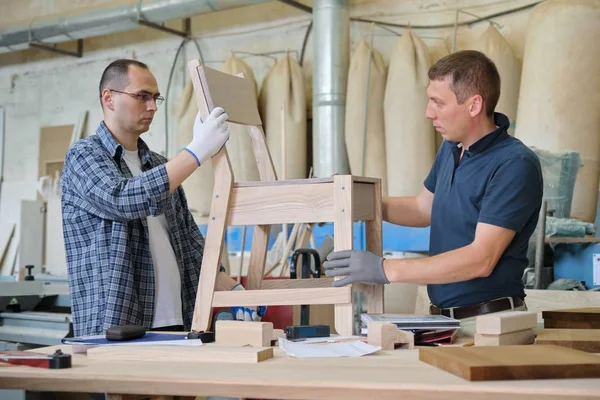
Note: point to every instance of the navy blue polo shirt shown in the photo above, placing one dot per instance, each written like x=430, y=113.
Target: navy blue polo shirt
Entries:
x=497, y=181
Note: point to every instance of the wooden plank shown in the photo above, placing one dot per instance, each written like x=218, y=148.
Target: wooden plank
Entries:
x=236, y=95
x=181, y=354
x=513, y=362
x=526, y=336
x=303, y=181
x=580, y=339
x=281, y=204
x=343, y=240
x=505, y=322
x=264, y=162
x=296, y=283
x=575, y=318
x=286, y=182
x=363, y=202
x=218, y=217
x=242, y=333
x=283, y=297
x=373, y=228
x=7, y=231
x=258, y=255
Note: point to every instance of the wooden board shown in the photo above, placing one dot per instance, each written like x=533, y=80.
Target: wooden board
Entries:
x=236, y=95
x=575, y=318
x=505, y=322
x=526, y=336
x=182, y=354
x=7, y=230
x=580, y=339
x=513, y=362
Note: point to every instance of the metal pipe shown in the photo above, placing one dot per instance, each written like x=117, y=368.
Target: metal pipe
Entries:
x=539, y=246
x=331, y=48
x=110, y=20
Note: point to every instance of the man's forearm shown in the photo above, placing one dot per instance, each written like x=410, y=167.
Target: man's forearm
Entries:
x=180, y=168
x=404, y=211
x=453, y=266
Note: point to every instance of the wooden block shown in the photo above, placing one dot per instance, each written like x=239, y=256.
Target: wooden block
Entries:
x=236, y=95
x=256, y=334
x=209, y=353
x=512, y=362
x=526, y=336
x=388, y=336
x=576, y=318
x=505, y=322
x=580, y=339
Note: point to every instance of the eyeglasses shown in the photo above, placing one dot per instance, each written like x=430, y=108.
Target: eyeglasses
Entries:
x=143, y=96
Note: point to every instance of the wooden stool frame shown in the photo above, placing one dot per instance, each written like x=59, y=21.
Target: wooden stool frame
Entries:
x=341, y=199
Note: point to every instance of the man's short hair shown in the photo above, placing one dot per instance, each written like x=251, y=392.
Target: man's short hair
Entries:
x=115, y=75
x=470, y=72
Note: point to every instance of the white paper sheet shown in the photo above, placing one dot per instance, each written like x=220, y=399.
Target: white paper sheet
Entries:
x=326, y=350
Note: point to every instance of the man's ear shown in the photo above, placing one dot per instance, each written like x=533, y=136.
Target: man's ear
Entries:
x=475, y=105
x=107, y=99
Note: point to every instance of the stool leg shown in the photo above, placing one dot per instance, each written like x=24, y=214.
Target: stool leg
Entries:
x=217, y=224
x=343, y=238
x=375, y=246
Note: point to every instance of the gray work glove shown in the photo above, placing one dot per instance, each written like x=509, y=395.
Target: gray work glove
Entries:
x=359, y=266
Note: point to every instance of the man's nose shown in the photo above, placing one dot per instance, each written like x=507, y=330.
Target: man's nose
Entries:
x=429, y=114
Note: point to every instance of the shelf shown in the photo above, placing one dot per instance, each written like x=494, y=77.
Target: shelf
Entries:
x=573, y=240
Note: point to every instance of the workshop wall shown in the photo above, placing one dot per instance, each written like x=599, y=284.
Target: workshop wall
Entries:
x=41, y=89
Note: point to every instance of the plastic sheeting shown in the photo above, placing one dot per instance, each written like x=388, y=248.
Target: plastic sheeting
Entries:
x=283, y=88
x=560, y=90
x=409, y=136
x=370, y=144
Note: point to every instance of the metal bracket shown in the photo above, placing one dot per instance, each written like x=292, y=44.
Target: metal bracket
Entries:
x=54, y=49
x=187, y=25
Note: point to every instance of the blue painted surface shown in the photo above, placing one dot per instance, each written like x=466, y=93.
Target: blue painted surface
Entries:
x=575, y=261
x=395, y=238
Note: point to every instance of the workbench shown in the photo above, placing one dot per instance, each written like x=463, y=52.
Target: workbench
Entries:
x=384, y=375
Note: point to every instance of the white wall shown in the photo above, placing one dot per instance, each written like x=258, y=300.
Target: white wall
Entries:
x=39, y=89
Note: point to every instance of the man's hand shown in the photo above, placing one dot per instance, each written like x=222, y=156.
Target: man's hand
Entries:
x=247, y=313
x=359, y=266
x=209, y=136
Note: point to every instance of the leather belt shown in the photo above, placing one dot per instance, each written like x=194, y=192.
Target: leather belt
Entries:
x=474, y=310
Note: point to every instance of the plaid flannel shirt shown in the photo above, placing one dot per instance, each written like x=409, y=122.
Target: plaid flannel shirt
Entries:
x=104, y=208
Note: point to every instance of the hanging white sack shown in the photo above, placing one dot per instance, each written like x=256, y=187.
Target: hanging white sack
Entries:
x=366, y=137
x=409, y=136
x=439, y=51
x=284, y=87
x=559, y=101
x=496, y=47
x=239, y=145
x=436, y=53
x=199, y=186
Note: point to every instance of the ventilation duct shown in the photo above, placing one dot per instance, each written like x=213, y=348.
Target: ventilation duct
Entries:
x=110, y=20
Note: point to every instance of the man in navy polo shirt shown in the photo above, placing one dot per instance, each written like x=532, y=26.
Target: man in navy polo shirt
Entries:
x=481, y=198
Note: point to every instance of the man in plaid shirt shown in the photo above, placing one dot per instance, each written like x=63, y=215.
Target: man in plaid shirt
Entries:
x=133, y=250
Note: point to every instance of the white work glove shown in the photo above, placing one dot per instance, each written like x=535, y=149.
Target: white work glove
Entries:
x=209, y=136
x=247, y=313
